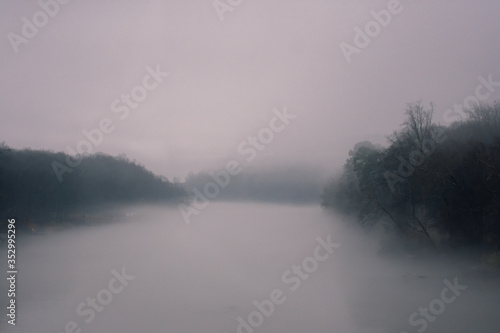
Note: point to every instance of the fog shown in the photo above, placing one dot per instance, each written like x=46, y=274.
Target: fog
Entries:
x=205, y=275
x=226, y=77
x=275, y=93
x=298, y=184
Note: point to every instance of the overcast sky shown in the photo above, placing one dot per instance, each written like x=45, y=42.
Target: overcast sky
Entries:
x=226, y=76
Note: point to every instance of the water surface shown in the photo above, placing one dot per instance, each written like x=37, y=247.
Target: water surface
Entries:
x=207, y=276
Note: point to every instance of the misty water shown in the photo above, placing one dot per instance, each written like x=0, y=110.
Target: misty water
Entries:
x=206, y=277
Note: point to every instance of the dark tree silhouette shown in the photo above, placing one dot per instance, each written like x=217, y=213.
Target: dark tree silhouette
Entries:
x=32, y=193
x=440, y=185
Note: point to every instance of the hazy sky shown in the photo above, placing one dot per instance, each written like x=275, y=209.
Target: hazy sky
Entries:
x=226, y=77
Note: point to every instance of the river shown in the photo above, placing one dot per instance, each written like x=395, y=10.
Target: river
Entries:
x=240, y=267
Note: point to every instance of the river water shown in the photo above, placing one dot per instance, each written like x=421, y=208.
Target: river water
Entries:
x=240, y=267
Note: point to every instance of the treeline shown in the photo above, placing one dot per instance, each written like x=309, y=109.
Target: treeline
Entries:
x=31, y=192
x=438, y=185
x=298, y=184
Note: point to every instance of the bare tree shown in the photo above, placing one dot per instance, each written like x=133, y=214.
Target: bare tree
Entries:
x=419, y=122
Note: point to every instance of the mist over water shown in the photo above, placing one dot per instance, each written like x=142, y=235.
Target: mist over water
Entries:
x=386, y=110
x=203, y=276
